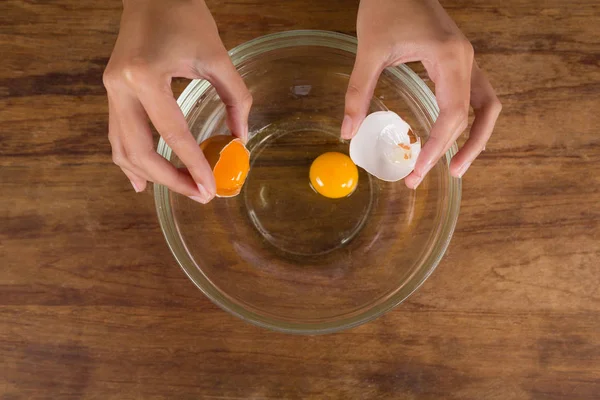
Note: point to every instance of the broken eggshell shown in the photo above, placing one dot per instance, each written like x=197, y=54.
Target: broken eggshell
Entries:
x=385, y=146
x=229, y=160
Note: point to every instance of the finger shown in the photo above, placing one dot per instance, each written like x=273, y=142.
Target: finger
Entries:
x=168, y=119
x=116, y=136
x=452, y=84
x=233, y=93
x=139, y=157
x=487, y=108
x=137, y=177
x=447, y=128
x=138, y=183
x=120, y=159
x=360, y=91
x=178, y=180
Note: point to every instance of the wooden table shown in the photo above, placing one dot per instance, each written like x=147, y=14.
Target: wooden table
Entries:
x=93, y=305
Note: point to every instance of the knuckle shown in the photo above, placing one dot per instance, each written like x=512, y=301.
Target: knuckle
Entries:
x=352, y=101
x=134, y=158
x=467, y=48
x=213, y=64
x=453, y=46
x=112, y=139
x=109, y=78
x=219, y=59
x=247, y=100
x=436, y=141
x=242, y=101
x=139, y=159
x=118, y=159
x=496, y=106
x=133, y=73
x=353, y=94
x=136, y=73
x=173, y=137
x=352, y=90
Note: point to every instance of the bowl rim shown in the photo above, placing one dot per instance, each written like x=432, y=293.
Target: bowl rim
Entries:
x=187, y=101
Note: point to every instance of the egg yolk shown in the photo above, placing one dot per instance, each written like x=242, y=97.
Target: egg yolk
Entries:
x=333, y=175
x=230, y=163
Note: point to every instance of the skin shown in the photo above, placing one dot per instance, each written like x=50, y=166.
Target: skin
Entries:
x=160, y=39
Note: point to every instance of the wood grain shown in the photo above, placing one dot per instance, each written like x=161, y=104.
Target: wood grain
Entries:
x=93, y=305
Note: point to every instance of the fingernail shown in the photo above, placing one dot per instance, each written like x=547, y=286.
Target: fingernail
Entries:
x=347, y=127
x=199, y=199
x=204, y=193
x=463, y=169
x=417, y=183
x=137, y=190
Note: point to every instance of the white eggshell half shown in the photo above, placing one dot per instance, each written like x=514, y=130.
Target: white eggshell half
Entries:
x=368, y=151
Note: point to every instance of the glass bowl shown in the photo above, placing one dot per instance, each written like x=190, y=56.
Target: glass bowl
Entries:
x=279, y=255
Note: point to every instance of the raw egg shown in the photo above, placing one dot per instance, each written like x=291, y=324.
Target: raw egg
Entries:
x=230, y=162
x=385, y=146
x=333, y=175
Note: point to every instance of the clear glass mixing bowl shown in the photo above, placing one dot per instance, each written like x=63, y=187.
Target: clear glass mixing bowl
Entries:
x=280, y=255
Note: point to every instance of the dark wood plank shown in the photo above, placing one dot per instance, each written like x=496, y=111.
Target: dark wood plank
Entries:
x=92, y=304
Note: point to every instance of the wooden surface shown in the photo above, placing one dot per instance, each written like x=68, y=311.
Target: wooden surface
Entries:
x=93, y=305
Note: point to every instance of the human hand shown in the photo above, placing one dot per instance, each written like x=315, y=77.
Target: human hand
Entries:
x=393, y=32
x=159, y=40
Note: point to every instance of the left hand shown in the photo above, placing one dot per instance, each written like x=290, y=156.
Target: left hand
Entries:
x=393, y=32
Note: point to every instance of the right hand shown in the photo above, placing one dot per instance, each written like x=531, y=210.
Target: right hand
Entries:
x=159, y=40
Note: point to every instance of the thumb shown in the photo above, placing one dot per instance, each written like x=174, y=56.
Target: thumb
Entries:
x=360, y=90
x=235, y=95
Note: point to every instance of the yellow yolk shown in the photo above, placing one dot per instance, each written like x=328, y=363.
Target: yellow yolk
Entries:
x=333, y=175
x=230, y=162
